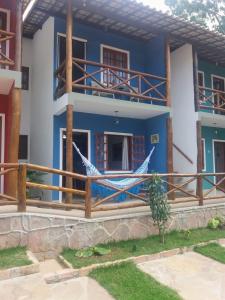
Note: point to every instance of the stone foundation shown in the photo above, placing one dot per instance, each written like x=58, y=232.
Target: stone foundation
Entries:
x=46, y=235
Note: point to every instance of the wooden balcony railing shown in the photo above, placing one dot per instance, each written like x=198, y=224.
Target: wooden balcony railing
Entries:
x=197, y=195
x=105, y=80
x=211, y=100
x=5, y=38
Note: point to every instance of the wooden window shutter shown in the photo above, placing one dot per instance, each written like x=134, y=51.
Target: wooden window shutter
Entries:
x=138, y=151
x=101, y=151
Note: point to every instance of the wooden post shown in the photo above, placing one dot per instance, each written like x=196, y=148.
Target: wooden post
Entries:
x=195, y=78
x=69, y=150
x=171, y=196
x=199, y=188
x=69, y=46
x=88, y=199
x=11, y=188
x=168, y=73
x=22, y=178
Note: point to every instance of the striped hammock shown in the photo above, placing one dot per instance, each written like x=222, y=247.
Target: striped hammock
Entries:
x=93, y=171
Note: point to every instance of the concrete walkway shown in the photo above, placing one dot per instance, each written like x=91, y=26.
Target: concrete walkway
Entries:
x=193, y=276
x=33, y=287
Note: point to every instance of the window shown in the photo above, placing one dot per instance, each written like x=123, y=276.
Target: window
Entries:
x=25, y=78
x=118, y=154
x=203, y=155
x=201, y=79
x=115, y=58
x=23, y=147
x=3, y=26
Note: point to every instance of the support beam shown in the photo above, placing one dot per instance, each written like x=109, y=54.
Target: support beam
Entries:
x=168, y=73
x=199, y=187
x=171, y=196
x=69, y=150
x=11, y=187
x=195, y=78
x=69, y=54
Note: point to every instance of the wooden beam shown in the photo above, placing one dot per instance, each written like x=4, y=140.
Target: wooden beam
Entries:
x=69, y=150
x=22, y=177
x=195, y=78
x=171, y=196
x=199, y=188
x=168, y=73
x=69, y=51
x=18, y=43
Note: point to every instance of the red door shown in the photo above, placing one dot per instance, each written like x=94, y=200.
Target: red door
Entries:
x=1, y=151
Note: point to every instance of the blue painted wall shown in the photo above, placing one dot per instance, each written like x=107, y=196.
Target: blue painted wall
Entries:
x=144, y=56
x=98, y=123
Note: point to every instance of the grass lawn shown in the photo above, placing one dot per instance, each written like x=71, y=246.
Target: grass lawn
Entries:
x=13, y=257
x=150, y=245
x=127, y=282
x=213, y=250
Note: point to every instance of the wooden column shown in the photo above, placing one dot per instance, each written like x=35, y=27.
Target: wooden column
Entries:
x=199, y=189
x=195, y=78
x=69, y=109
x=168, y=73
x=15, y=108
x=171, y=196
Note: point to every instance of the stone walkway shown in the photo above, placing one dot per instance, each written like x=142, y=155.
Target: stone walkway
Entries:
x=193, y=276
x=33, y=287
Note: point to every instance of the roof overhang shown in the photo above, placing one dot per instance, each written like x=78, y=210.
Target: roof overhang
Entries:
x=132, y=19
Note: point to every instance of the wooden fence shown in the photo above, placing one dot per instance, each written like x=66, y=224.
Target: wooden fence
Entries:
x=214, y=189
x=5, y=38
x=211, y=100
x=111, y=81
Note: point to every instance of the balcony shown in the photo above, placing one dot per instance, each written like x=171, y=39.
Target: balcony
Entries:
x=112, y=82
x=211, y=100
x=5, y=48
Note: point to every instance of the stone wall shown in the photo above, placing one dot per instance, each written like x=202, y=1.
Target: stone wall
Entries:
x=46, y=235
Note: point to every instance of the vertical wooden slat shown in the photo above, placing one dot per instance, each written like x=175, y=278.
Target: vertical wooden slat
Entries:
x=22, y=178
x=18, y=43
x=88, y=199
x=69, y=149
x=69, y=51
x=195, y=78
x=199, y=188
x=168, y=73
x=171, y=196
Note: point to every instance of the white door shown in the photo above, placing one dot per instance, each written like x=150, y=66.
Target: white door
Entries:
x=2, y=144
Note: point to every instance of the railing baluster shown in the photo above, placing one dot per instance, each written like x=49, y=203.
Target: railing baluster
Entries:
x=88, y=205
x=21, y=190
x=200, y=189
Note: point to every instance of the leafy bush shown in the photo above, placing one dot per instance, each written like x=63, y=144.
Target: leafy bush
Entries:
x=159, y=206
x=216, y=222
x=91, y=251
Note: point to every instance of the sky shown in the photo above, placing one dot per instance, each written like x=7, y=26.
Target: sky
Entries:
x=158, y=4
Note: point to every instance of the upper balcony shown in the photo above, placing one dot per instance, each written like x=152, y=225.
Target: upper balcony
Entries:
x=108, y=81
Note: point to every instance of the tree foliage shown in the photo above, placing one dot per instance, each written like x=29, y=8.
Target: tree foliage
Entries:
x=209, y=13
x=158, y=204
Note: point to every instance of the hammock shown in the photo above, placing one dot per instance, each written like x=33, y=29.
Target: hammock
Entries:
x=92, y=171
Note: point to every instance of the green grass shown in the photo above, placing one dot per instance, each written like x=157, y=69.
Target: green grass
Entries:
x=13, y=257
x=213, y=250
x=127, y=282
x=150, y=245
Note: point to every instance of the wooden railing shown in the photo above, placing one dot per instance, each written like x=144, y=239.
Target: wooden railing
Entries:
x=183, y=154
x=5, y=38
x=211, y=100
x=199, y=194
x=111, y=81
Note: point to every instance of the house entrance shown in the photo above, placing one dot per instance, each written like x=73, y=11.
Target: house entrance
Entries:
x=219, y=152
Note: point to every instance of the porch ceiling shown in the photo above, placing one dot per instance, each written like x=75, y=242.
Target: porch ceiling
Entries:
x=107, y=106
x=133, y=19
x=9, y=78
x=212, y=120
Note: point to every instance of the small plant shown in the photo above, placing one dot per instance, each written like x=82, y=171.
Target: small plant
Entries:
x=134, y=248
x=35, y=177
x=216, y=222
x=186, y=233
x=159, y=206
x=91, y=251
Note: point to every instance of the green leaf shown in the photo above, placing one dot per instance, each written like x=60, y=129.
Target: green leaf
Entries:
x=101, y=251
x=86, y=252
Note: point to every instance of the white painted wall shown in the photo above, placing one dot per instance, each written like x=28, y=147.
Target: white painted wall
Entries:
x=41, y=141
x=26, y=95
x=184, y=115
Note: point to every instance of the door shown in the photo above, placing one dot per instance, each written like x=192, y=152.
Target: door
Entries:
x=2, y=135
x=81, y=140
x=219, y=152
x=219, y=99
x=78, y=51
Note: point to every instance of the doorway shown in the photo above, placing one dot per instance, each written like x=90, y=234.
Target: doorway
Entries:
x=78, y=51
x=219, y=85
x=219, y=158
x=82, y=140
x=2, y=146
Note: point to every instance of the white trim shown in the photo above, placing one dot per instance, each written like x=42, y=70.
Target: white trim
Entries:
x=8, y=14
x=204, y=153
x=102, y=46
x=203, y=76
x=118, y=133
x=213, y=152
x=2, y=158
x=61, y=151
